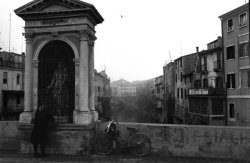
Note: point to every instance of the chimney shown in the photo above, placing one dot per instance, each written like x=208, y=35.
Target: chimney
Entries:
x=197, y=49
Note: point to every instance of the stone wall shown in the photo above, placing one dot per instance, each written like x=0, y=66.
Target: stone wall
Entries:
x=171, y=140
x=9, y=135
x=194, y=141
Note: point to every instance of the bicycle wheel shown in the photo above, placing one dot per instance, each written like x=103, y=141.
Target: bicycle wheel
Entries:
x=103, y=144
x=139, y=144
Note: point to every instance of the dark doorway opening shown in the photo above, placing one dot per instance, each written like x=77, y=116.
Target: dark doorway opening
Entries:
x=56, y=80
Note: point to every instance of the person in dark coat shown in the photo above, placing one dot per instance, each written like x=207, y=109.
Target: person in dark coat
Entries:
x=39, y=135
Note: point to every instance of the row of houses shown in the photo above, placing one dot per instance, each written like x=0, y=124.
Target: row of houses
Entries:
x=12, y=87
x=212, y=86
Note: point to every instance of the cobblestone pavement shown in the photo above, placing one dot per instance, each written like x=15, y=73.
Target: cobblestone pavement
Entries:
x=15, y=157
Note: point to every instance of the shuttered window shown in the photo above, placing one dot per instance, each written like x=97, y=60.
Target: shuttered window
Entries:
x=231, y=80
x=243, y=49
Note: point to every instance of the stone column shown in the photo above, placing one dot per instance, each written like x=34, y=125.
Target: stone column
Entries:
x=92, y=80
x=35, y=85
x=77, y=92
x=84, y=115
x=26, y=116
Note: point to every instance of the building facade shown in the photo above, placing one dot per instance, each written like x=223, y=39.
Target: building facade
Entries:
x=207, y=96
x=11, y=85
x=169, y=92
x=157, y=98
x=185, y=67
x=235, y=33
x=122, y=88
x=102, y=94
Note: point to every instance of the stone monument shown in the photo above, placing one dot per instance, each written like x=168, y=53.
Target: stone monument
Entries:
x=59, y=71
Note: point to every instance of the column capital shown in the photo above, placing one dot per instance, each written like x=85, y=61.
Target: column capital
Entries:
x=29, y=36
x=91, y=43
x=92, y=39
x=84, y=35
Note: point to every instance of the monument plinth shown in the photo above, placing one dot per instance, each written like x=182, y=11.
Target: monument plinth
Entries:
x=59, y=67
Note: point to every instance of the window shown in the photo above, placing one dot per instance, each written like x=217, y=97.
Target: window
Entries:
x=197, y=84
x=176, y=78
x=181, y=93
x=198, y=106
x=230, y=25
x=245, y=78
x=205, y=64
x=243, y=19
x=181, y=62
x=181, y=76
x=178, y=92
x=218, y=82
x=243, y=49
x=230, y=52
x=5, y=75
x=217, y=107
x=231, y=80
x=231, y=111
x=185, y=94
x=205, y=83
x=18, y=79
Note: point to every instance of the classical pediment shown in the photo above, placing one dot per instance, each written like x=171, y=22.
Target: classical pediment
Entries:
x=38, y=9
x=52, y=5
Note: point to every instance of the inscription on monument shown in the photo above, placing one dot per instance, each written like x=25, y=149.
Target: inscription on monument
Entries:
x=54, y=22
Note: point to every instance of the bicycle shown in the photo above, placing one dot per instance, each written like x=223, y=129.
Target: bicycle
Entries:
x=138, y=143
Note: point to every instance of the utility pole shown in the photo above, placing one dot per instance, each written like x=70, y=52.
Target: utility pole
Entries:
x=0, y=42
x=9, y=32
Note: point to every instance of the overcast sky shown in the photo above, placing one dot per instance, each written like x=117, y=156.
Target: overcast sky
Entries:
x=136, y=37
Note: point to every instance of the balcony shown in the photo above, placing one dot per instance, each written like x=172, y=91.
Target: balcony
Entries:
x=9, y=64
x=201, y=69
x=218, y=66
x=207, y=92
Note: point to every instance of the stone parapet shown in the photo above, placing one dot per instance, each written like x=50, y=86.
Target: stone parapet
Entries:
x=67, y=139
x=193, y=141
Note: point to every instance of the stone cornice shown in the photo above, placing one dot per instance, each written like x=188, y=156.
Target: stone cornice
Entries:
x=37, y=10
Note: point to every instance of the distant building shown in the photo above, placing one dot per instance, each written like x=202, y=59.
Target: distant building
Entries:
x=11, y=85
x=207, y=97
x=102, y=94
x=122, y=88
x=185, y=67
x=235, y=33
x=169, y=92
x=157, y=97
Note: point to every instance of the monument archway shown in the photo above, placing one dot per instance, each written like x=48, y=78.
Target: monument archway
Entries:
x=56, y=80
x=59, y=72
x=59, y=62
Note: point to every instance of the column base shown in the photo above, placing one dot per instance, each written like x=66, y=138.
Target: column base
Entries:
x=95, y=115
x=25, y=117
x=83, y=118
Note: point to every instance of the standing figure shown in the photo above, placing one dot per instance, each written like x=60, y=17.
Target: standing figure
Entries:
x=39, y=133
x=59, y=88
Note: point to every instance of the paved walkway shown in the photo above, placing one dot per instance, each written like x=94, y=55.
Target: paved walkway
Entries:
x=15, y=157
